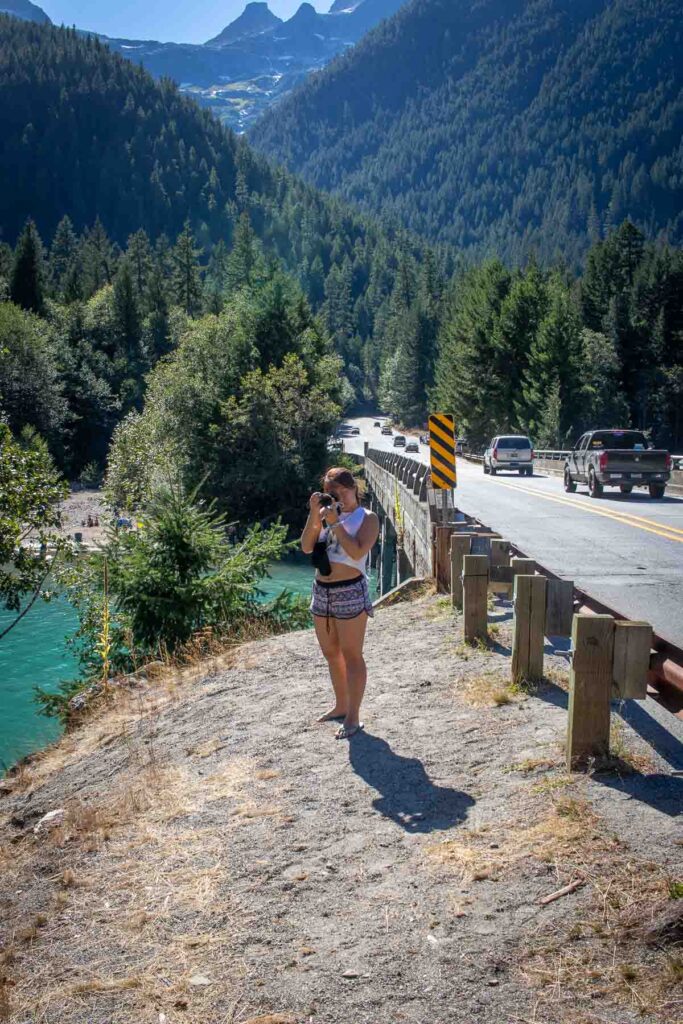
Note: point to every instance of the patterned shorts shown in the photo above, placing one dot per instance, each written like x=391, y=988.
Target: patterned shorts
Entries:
x=341, y=599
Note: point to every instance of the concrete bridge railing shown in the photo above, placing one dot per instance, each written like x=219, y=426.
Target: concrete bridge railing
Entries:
x=398, y=493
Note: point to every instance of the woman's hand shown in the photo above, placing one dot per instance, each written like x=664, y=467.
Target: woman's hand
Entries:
x=330, y=515
x=314, y=501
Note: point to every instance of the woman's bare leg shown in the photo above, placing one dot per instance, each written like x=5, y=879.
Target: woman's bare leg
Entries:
x=351, y=633
x=329, y=645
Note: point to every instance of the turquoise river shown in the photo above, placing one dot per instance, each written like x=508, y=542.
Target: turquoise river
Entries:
x=34, y=653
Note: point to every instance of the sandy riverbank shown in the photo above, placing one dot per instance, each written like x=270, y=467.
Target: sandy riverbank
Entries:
x=75, y=511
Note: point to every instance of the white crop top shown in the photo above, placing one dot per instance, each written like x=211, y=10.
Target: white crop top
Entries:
x=335, y=552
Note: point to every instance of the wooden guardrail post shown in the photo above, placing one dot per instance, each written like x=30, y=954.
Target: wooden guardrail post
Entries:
x=475, y=582
x=443, y=561
x=559, y=607
x=529, y=628
x=632, y=646
x=590, y=688
x=500, y=552
x=460, y=546
x=523, y=566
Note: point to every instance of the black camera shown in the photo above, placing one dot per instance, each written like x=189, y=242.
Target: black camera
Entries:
x=327, y=501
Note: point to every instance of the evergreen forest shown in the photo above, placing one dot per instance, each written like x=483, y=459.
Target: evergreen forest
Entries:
x=185, y=311
x=505, y=128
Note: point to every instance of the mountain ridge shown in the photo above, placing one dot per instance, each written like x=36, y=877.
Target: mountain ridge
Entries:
x=513, y=127
x=25, y=10
x=256, y=59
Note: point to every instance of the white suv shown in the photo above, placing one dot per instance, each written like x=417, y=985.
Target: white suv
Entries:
x=509, y=451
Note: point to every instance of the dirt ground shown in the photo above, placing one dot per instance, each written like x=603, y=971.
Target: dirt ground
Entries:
x=219, y=858
x=75, y=511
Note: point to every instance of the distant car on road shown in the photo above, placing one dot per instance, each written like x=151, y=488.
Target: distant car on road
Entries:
x=387, y=430
x=412, y=446
x=399, y=441
x=355, y=430
x=617, y=458
x=509, y=451
x=377, y=423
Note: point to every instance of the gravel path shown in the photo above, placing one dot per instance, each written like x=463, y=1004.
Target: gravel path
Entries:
x=223, y=859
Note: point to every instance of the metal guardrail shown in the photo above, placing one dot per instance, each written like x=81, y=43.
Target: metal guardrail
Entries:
x=558, y=455
x=551, y=454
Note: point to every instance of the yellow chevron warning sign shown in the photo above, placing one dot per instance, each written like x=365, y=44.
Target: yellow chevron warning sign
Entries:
x=442, y=451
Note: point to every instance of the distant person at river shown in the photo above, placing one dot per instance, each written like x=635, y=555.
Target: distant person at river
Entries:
x=339, y=533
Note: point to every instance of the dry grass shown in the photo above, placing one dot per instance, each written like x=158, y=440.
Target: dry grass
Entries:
x=601, y=954
x=491, y=851
x=486, y=691
x=604, y=948
x=155, y=897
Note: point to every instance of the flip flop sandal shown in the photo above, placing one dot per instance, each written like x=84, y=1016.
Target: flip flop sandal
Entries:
x=346, y=734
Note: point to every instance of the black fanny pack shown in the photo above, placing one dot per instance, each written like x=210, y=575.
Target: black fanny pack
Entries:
x=319, y=558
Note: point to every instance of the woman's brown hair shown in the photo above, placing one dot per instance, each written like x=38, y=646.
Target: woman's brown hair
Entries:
x=344, y=478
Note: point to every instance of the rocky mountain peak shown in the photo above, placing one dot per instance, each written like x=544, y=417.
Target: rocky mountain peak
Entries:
x=255, y=19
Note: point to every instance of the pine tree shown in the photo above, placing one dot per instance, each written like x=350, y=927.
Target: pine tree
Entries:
x=127, y=315
x=186, y=280
x=466, y=380
x=140, y=259
x=98, y=259
x=555, y=358
x=27, y=279
x=62, y=254
x=242, y=258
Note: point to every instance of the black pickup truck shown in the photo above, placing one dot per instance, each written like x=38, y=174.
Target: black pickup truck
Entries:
x=617, y=458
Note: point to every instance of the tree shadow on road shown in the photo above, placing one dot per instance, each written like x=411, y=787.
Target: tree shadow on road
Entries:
x=407, y=795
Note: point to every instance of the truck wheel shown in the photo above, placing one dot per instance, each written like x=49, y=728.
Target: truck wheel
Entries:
x=529, y=472
x=656, y=490
x=569, y=484
x=594, y=485
x=625, y=488
x=493, y=471
x=522, y=472
x=486, y=469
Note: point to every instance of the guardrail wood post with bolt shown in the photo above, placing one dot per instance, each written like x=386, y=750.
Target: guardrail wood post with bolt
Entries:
x=632, y=646
x=475, y=581
x=460, y=546
x=590, y=688
x=529, y=628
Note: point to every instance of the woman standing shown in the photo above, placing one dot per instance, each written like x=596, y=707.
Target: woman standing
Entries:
x=341, y=601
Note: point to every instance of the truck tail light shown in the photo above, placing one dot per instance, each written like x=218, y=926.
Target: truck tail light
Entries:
x=495, y=453
x=533, y=455
x=603, y=461
x=668, y=462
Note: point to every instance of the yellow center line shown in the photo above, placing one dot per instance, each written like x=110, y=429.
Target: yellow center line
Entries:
x=617, y=517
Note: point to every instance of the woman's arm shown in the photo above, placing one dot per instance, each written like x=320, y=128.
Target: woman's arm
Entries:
x=358, y=546
x=312, y=528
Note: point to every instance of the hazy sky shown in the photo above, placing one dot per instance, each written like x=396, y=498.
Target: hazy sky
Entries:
x=168, y=20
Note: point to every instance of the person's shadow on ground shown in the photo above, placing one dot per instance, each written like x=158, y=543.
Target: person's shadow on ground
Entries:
x=407, y=794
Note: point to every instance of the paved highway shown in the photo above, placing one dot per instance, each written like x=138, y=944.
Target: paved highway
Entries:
x=625, y=550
